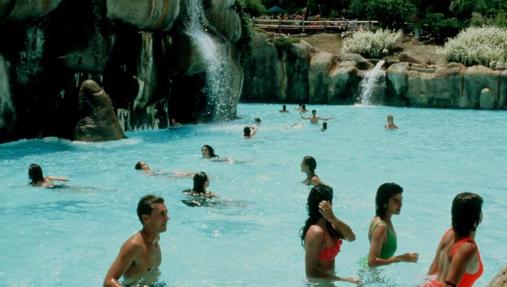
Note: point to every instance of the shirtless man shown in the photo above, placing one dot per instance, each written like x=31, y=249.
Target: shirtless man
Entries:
x=390, y=123
x=314, y=119
x=140, y=255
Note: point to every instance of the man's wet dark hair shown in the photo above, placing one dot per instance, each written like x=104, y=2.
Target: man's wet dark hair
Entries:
x=314, y=111
x=144, y=207
x=257, y=120
x=466, y=213
x=310, y=162
x=139, y=165
x=246, y=131
x=385, y=192
x=35, y=173
x=324, y=126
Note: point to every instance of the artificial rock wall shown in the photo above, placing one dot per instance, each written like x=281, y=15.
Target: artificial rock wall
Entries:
x=136, y=50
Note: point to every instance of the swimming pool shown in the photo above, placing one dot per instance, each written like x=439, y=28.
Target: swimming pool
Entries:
x=61, y=236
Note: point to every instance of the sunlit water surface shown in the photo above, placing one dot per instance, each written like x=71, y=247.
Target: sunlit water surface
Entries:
x=70, y=236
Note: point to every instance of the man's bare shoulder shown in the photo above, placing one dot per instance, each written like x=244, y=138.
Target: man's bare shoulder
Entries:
x=134, y=244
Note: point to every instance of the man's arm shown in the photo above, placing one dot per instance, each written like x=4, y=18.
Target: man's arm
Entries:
x=303, y=117
x=128, y=253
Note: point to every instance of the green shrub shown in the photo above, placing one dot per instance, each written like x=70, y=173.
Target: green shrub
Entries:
x=284, y=42
x=478, y=20
x=485, y=46
x=440, y=27
x=391, y=13
x=372, y=44
x=254, y=7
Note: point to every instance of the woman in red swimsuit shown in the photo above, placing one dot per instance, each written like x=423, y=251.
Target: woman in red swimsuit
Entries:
x=457, y=262
x=322, y=235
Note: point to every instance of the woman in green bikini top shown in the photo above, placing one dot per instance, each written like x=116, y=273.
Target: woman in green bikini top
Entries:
x=383, y=242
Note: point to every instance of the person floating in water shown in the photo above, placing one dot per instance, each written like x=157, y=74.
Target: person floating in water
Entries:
x=457, y=261
x=37, y=178
x=383, y=242
x=208, y=152
x=174, y=124
x=322, y=236
x=249, y=132
x=324, y=127
x=199, y=196
x=314, y=119
x=141, y=165
x=302, y=108
x=284, y=109
x=308, y=166
x=257, y=121
x=390, y=123
x=140, y=256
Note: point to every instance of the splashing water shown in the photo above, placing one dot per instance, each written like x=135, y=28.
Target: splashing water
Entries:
x=221, y=104
x=369, y=81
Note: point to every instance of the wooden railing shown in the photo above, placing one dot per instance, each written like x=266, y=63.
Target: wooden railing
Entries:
x=287, y=26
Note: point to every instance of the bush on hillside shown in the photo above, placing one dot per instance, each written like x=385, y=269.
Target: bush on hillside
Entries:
x=254, y=7
x=485, y=46
x=440, y=27
x=372, y=44
x=285, y=42
x=499, y=20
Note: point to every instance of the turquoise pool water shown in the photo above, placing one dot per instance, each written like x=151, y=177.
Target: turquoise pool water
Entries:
x=70, y=236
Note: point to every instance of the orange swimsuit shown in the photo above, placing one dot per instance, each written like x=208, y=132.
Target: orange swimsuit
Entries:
x=330, y=253
x=468, y=279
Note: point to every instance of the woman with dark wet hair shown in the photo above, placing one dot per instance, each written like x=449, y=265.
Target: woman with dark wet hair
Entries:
x=457, y=262
x=308, y=166
x=37, y=178
x=199, y=196
x=208, y=152
x=322, y=236
x=383, y=241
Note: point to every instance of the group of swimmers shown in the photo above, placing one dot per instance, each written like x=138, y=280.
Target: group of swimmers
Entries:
x=457, y=261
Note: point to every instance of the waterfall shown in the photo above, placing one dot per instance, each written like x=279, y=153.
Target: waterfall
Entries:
x=220, y=94
x=369, y=81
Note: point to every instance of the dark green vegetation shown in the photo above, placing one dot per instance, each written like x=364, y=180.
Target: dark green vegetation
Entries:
x=435, y=19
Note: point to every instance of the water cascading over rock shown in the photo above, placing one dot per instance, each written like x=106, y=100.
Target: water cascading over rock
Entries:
x=221, y=97
x=369, y=82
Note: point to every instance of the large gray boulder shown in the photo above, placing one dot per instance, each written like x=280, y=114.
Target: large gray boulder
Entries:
x=6, y=7
x=225, y=19
x=264, y=72
x=345, y=78
x=500, y=279
x=502, y=102
x=434, y=87
x=321, y=85
x=145, y=14
x=7, y=111
x=97, y=121
x=27, y=9
x=475, y=79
